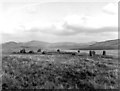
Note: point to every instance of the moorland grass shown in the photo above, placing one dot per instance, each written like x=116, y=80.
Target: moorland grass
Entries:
x=59, y=72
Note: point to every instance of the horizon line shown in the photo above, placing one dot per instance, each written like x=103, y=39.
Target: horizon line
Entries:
x=56, y=42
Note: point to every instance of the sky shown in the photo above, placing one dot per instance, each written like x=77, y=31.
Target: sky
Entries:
x=58, y=20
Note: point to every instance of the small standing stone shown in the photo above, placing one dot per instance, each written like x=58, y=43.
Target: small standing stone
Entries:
x=39, y=50
x=31, y=51
x=58, y=50
x=78, y=51
x=93, y=53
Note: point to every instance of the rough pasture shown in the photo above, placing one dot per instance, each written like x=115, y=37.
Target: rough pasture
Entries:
x=61, y=71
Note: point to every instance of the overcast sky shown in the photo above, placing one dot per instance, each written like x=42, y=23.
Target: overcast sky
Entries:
x=59, y=20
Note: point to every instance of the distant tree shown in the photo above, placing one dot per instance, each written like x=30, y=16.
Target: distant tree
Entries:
x=104, y=53
x=22, y=51
x=58, y=50
x=31, y=51
x=39, y=50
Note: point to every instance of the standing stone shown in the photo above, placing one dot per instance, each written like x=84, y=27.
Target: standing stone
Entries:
x=22, y=51
x=90, y=53
x=93, y=53
x=104, y=53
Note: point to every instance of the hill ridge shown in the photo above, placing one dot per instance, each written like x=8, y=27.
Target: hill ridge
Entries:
x=34, y=45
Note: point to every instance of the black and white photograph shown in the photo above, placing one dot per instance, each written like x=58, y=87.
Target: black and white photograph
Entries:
x=59, y=44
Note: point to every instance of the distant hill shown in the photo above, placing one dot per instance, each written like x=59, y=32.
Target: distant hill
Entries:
x=104, y=45
x=68, y=45
x=38, y=44
x=12, y=46
x=9, y=47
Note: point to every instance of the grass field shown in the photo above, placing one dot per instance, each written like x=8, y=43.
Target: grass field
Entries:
x=109, y=52
x=60, y=71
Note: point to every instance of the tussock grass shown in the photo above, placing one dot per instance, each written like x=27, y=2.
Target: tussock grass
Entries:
x=59, y=72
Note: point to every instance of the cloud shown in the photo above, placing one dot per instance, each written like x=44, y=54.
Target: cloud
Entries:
x=22, y=16
x=111, y=8
x=33, y=20
x=70, y=30
x=79, y=29
x=104, y=22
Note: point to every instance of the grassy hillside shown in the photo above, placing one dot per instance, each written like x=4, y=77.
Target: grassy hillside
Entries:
x=110, y=44
x=104, y=45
